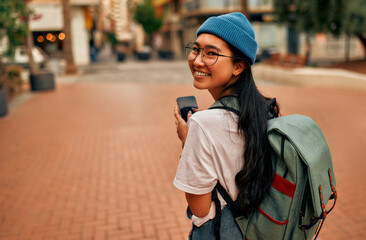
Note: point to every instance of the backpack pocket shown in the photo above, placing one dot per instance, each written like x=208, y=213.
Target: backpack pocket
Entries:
x=272, y=215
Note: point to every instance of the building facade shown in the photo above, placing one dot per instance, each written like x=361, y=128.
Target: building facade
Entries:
x=169, y=38
x=48, y=33
x=270, y=35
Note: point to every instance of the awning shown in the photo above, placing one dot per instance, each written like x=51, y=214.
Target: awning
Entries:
x=158, y=3
x=84, y=2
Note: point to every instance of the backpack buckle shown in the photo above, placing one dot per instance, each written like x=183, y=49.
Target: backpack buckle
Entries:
x=334, y=191
x=324, y=213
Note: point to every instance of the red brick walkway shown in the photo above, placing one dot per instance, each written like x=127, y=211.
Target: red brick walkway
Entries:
x=97, y=161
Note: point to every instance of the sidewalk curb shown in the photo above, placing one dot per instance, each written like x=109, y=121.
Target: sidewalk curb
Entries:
x=311, y=77
x=72, y=78
x=19, y=100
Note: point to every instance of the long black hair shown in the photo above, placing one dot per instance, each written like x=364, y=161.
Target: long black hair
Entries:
x=254, y=180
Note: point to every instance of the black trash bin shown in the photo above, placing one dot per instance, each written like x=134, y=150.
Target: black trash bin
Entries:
x=42, y=81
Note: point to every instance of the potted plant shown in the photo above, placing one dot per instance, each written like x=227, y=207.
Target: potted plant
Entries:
x=39, y=80
x=151, y=22
x=121, y=52
x=144, y=54
x=14, y=24
x=12, y=32
x=166, y=54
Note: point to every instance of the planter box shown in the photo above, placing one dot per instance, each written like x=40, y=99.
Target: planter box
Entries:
x=3, y=103
x=121, y=56
x=166, y=54
x=42, y=81
x=143, y=56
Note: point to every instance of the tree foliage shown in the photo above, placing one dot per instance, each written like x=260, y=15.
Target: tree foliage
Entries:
x=354, y=20
x=311, y=16
x=13, y=26
x=334, y=16
x=145, y=15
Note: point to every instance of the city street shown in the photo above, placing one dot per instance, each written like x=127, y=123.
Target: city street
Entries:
x=96, y=158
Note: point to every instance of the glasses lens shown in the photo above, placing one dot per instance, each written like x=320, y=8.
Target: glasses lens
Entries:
x=191, y=51
x=210, y=56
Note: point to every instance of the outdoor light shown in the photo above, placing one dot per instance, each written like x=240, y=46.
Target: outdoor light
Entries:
x=61, y=36
x=49, y=36
x=40, y=38
x=53, y=38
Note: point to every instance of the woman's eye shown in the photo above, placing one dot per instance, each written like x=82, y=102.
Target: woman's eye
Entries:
x=195, y=49
x=212, y=54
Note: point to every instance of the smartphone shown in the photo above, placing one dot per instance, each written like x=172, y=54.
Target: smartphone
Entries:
x=185, y=104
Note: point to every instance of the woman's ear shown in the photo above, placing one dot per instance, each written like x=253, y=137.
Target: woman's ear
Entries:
x=238, y=68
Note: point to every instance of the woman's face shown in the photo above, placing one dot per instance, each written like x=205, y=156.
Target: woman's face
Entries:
x=218, y=76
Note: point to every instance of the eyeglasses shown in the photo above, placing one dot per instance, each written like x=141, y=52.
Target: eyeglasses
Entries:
x=209, y=54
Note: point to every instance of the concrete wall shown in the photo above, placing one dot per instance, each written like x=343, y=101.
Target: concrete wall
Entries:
x=51, y=17
x=80, y=38
x=328, y=48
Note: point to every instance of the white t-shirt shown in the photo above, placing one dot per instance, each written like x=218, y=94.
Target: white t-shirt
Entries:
x=213, y=151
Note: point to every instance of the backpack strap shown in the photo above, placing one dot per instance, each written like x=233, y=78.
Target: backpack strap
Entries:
x=232, y=205
x=229, y=102
x=217, y=219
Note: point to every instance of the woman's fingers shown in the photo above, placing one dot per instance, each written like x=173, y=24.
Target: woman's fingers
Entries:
x=181, y=125
x=189, y=115
x=177, y=114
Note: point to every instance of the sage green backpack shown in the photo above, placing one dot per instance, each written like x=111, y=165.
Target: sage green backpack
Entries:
x=303, y=182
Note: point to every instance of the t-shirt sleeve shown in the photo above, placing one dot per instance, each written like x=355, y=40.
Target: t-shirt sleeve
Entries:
x=196, y=173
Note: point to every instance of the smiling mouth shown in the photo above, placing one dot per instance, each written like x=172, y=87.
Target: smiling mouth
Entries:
x=201, y=74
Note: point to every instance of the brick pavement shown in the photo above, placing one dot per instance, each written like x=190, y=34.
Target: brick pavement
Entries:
x=96, y=160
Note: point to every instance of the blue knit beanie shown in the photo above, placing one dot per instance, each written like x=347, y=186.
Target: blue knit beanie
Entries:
x=235, y=29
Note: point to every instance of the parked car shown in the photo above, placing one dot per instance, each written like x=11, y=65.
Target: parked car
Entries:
x=21, y=58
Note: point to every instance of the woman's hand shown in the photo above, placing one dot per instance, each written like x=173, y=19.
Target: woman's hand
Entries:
x=181, y=125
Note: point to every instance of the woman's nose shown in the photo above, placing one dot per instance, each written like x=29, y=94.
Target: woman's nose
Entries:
x=199, y=60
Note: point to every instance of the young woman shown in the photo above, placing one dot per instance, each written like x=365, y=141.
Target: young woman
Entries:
x=220, y=145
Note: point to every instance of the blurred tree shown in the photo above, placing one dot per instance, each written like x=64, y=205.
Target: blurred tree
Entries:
x=67, y=44
x=354, y=20
x=145, y=15
x=244, y=8
x=311, y=16
x=12, y=25
x=14, y=31
x=28, y=41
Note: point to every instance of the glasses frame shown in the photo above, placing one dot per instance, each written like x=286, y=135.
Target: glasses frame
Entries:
x=189, y=46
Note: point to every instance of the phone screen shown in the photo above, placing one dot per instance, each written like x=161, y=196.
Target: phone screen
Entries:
x=185, y=104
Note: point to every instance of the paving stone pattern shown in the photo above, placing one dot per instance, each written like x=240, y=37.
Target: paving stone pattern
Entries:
x=96, y=160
